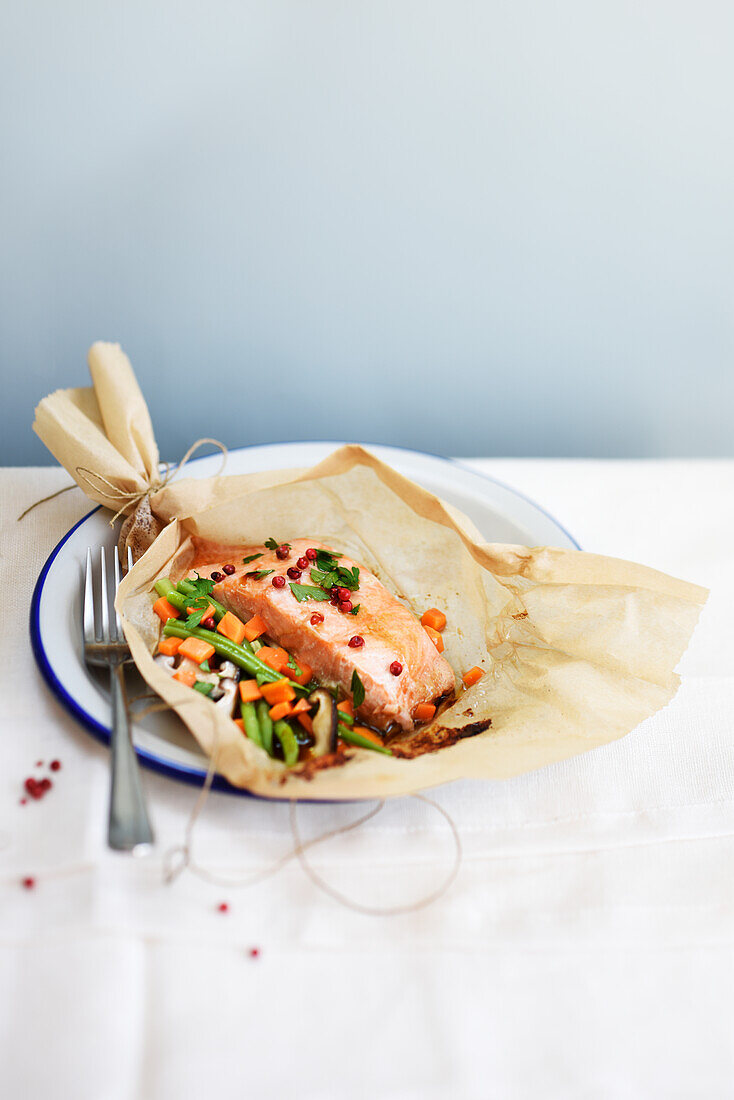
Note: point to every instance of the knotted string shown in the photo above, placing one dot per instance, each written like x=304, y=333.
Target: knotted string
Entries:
x=181, y=858
x=100, y=484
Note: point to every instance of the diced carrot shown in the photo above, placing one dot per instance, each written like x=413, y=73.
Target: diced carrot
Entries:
x=250, y=691
x=255, y=627
x=299, y=678
x=434, y=618
x=472, y=676
x=231, y=627
x=169, y=646
x=196, y=650
x=435, y=637
x=279, y=692
x=306, y=722
x=185, y=676
x=346, y=707
x=164, y=610
x=424, y=712
x=240, y=723
x=205, y=615
x=365, y=731
x=274, y=657
x=280, y=710
x=301, y=706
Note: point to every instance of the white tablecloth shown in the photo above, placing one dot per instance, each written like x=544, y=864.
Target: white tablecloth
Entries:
x=585, y=950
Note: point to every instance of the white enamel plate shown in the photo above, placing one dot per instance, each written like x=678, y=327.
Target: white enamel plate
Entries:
x=161, y=740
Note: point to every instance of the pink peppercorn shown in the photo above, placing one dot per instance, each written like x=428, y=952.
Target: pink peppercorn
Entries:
x=396, y=668
x=345, y=606
x=228, y=569
x=55, y=765
x=278, y=582
x=316, y=618
x=283, y=552
x=356, y=642
x=344, y=593
x=302, y=563
x=217, y=577
x=312, y=554
x=294, y=573
x=209, y=623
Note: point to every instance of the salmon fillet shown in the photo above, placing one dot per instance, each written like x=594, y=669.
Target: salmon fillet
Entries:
x=390, y=631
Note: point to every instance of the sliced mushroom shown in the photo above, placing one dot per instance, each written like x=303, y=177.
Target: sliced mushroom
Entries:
x=224, y=692
x=325, y=722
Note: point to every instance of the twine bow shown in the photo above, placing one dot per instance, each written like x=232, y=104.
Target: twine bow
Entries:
x=99, y=484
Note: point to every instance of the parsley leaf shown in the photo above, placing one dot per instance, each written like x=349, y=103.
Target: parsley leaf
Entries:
x=325, y=580
x=355, y=609
x=304, y=592
x=246, y=561
x=326, y=560
x=258, y=574
x=271, y=544
x=357, y=688
x=203, y=586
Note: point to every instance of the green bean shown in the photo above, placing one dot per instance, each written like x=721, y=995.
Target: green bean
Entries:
x=164, y=588
x=266, y=725
x=287, y=738
x=353, y=738
x=347, y=719
x=187, y=588
x=229, y=649
x=250, y=722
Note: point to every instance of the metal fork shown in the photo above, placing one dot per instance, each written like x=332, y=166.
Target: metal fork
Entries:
x=128, y=828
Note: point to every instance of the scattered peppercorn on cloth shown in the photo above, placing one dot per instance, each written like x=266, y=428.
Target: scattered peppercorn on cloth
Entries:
x=577, y=649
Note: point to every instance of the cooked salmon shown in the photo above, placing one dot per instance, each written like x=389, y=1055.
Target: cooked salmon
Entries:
x=389, y=631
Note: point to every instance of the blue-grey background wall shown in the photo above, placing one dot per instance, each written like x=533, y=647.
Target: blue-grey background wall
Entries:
x=472, y=228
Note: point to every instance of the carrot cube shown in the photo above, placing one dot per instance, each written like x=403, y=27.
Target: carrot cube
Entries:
x=231, y=627
x=254, y=627
x=472, y=676
x=435, y=637
x=169, y=646
x=164, y=610
x=196, y=650
x=274, y=657
x=434, y=618
x=185, y=676
x=250, y=691
x=240, y=723
x=279, y=692
x=306, y=722
x=347, y=707
x=301, y=678
x=424, y=712
x=280, y=710
x=205, y=615
x=301, y=706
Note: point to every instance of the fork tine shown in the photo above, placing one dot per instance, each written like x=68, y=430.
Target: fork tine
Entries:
x=118, y=624
x=88, y=604
x=129, y=558
x=105, y=608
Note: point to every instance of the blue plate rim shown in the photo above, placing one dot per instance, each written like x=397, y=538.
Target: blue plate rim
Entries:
x=181, y=772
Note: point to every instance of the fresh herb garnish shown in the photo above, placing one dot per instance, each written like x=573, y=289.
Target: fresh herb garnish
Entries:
x=355, y=609
x=304, y=592
x=202, y=586
x=292, y=664
x=357, y=688
x=200, y=605
x=326, y=560
x=271, y=544
x=258, y=574
x=205, y=666
x=339, y=575
x=252, y=557
x=203, y=687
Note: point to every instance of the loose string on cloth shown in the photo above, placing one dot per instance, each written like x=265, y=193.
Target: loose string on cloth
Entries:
x=98, y=483
x=181, y=858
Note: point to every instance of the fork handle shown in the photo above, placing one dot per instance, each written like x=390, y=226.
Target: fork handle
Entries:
x=128, y=827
